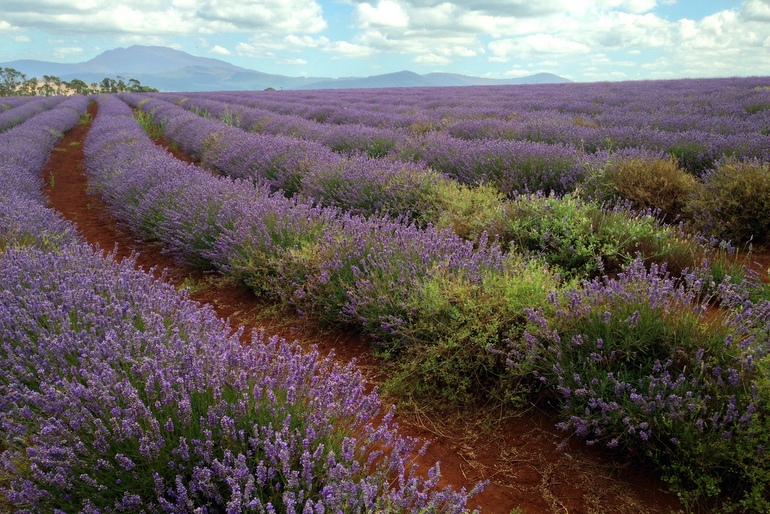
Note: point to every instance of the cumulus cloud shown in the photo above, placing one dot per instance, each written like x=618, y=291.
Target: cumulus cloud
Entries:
x=184, y=17
x=293, y=62
x=431, y=58
x=623, y=30
x=63, y=52
x=533, y=45
x=219, y=50
x=756, y=10
x=602, y=35
x=345, y=50
x=507, y=8
x=631, y=6
x=517, y=73
x=266, y=45
x=273, y=15
x=440, y=32
x=386, y=14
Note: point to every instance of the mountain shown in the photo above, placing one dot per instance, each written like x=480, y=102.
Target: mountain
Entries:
x=411, y=79
x=173, y=70
x=162, y=68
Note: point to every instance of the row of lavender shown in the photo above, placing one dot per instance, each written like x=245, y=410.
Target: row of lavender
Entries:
x=24, y=151
x=513, y=166
x=630, y=360
x=9, y=102
x=120, y=395
x=323, y=261
x=360, y=185
x=698, y=121
x=509, y=165
x=727, y=202
x=22, y=111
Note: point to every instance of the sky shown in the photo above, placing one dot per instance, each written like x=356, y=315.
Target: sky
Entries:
x=582, y=40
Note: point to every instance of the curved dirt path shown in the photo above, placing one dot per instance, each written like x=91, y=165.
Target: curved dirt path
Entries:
x=518, y=456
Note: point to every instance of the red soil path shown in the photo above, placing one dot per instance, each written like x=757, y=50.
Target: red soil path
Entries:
x=517, y=455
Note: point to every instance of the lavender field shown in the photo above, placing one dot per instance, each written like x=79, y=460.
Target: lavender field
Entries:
x=584, y=247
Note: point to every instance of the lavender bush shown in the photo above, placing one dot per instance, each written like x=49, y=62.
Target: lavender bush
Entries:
x=24, y=150
x=9, y=102
x=120, y=395
x=371, y=273
x=633, y=362
x=26, y=110
x=355, y=183
x=347, y=139
x=277, y=161
x=373, y=187
x=513, y=166
x=26, y=222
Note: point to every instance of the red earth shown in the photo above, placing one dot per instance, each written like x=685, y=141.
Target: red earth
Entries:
x=517, y=454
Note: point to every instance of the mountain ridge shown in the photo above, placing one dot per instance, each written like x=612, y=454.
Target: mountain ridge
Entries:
x=168, y=69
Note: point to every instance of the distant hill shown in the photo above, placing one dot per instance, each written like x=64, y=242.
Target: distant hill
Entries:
x=411, y=79
x=173, y=70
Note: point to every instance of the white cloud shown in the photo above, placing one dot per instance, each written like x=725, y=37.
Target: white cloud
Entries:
x=756, y=10
x=258, y=47
x=304, y=16
x=507, y=8
x=533, y=45
x=177, y=17
x=516, y=73
x=613, y=36
x=261, y=45
x=431, y=58
x=345, y=50
x=293, y=62
x=387, y=13
x=294, y=42
x=219, y=50
x=63, y=52
x=623, y=30
x=633, y=6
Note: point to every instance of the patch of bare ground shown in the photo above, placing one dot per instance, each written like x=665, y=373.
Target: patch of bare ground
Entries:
x=518, y=455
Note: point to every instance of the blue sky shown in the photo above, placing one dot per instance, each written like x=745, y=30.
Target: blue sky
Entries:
x=582, y=40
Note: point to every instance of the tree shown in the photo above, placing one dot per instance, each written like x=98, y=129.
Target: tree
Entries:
x=52, y=85
x=28, y=88
x=108, y=85
x=15, y=83
x=10, y=81
x=79, y=87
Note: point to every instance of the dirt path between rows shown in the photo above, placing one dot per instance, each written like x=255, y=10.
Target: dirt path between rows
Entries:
x=517, y=455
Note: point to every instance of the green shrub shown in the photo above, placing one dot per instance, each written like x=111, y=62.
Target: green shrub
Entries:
x=733, y=202
x=459, y=332
x=467, y=211
x=585, y=240
x=650, y=183
x=146, y=120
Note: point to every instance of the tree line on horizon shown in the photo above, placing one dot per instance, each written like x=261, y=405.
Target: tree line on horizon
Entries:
x=16, y=83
